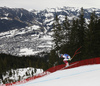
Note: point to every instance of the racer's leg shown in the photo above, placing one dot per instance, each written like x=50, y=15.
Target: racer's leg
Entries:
x=66, y=62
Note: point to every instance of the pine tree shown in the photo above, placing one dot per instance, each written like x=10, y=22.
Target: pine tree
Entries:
x=82, y=26
x=32, y=73
x=90, y=39
x=65, y=35
x=35, y=70
x=96, y=42
x=81, y=33
x=66, y=30
x=10, y=73
x=52, y=58
x=57, y=33
x=74, y=39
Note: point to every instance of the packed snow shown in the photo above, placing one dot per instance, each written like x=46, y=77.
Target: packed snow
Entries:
x=79, y=76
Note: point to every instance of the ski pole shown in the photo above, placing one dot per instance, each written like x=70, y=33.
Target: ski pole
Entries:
x=76, y=52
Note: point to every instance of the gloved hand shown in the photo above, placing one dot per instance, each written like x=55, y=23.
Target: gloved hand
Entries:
x=69, y=59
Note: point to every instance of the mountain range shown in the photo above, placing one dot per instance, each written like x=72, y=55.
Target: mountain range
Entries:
x=24, y=32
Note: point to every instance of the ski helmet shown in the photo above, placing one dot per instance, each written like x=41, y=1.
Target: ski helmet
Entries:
x=60, y=55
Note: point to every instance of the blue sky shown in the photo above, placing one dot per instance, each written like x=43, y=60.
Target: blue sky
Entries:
x=42, y=4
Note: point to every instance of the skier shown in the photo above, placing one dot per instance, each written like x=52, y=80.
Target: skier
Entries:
x=66, y=59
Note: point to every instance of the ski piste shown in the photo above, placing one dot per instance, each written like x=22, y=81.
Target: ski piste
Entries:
x=69, y=65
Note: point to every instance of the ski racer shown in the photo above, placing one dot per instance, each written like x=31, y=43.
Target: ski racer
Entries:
x=66, y=59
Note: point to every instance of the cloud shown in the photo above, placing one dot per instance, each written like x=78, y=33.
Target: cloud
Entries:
x=42, y=4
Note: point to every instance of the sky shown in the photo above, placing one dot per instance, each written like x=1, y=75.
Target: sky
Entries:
x=42, y=4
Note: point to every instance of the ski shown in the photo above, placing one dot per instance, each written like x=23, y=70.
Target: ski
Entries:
x=72, y=64
x=68, y=66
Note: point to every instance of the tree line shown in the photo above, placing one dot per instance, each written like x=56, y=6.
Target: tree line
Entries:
x=8, y=62
x=70, y=35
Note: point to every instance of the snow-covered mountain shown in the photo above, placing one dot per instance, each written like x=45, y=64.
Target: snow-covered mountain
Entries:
x=12, y=18
x=29, y=32
x=18, y=39
x=46, y=16
x=26, y=41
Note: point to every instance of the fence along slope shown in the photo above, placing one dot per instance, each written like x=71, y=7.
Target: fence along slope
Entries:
x=58, y=67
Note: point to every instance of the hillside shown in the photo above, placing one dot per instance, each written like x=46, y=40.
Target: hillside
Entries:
x=25, y=31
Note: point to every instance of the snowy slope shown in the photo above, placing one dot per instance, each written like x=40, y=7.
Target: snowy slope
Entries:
x=15, y=75
x=80, y=76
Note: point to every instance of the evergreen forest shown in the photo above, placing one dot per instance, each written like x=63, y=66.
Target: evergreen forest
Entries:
x=71, y=35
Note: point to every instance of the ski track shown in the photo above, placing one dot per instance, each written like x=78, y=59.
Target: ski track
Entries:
x=61, y=74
